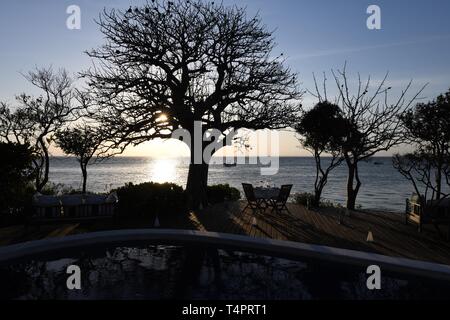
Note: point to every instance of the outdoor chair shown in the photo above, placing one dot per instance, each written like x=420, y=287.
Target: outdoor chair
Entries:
x=278, y=204
x=414, y=211
x=422, y=212
x=253, y=203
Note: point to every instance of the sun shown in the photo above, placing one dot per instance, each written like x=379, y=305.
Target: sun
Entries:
x=162, y=118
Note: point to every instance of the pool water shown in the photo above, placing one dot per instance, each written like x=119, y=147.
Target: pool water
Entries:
x=175, y=272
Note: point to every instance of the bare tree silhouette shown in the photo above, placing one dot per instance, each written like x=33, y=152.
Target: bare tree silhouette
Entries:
x=323, y=130
x=373, y=121
x=167, y=64
x=84, y=142
x=428, y=129
x=36, y=119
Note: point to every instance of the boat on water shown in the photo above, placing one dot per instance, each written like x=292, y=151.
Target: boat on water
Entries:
x=229, y=165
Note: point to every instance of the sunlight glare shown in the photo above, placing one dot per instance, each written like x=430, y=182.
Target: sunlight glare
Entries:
x=163, y=170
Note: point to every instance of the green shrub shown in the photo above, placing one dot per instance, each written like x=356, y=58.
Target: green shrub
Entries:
x=16, y=177
x=221, y=193
x=302, y=198
x=150, y=199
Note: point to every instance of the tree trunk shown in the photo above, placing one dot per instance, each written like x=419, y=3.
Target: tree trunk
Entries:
x=438, y=179
x=352, y=189
x=317, y=196
x=84, y=172
x=42, y=181
x=317, y=181
x=318, y=189
x=37, y=179
x=197, y=184
x=320, y=181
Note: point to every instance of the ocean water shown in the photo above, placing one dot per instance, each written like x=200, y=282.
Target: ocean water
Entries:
x=383, y=188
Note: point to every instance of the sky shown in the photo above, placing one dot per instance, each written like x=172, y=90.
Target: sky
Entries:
x=314, y=36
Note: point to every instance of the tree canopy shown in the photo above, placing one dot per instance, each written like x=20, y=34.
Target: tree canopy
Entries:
x=373, y=120
x=323, y=130
x=427, y=127
x=167, y=64
x=83, y=142
x=189, y=61
x=16, y=172
x=36, y=118
x=428, y=124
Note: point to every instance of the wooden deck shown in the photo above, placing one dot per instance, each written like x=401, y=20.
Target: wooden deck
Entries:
x=391, y=236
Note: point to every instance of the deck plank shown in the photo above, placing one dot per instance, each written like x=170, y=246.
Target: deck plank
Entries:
x=392, y=237
x=63, y=231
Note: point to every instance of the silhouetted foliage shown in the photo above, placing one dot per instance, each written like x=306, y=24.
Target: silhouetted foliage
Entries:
x=428, y=129
x=222, y=192
x=83, y=142
x=16, y=172
x=151, y=199
x=304, y=198
x=190, y=61
x=36, y=119
x=420, y=169
x=323, y=130
x=373, y=121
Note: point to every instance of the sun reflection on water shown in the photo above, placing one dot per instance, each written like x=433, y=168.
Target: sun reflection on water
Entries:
x=163, y=170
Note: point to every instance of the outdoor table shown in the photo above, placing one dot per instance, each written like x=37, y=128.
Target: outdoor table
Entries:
x=265, y=193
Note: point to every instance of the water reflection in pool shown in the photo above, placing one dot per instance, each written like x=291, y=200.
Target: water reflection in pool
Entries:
x=172, y=272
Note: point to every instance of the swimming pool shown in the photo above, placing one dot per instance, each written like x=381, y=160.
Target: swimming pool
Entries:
x=176, y=264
